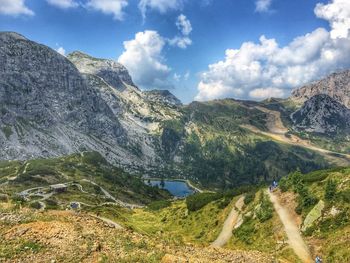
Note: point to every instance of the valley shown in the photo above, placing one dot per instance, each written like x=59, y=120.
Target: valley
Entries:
x=94, y=169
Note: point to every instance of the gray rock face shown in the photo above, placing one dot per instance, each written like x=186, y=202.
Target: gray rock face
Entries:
x=110, y=71
x=162, y=96
x=322, y=114
x=139, y=113
x=46, y=106
x=337, y=86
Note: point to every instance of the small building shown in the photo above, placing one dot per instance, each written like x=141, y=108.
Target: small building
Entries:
x=58, y=188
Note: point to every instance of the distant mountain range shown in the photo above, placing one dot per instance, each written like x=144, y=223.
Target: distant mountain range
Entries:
x=51, y=105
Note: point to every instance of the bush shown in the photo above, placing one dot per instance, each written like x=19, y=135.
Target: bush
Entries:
x=249, y=197
x=157, y=205
x=199, y=200
x=35, y=205
x=284, y=184
x=265, y=211
x=330, y=190
x=246, y=231
x=345, y=195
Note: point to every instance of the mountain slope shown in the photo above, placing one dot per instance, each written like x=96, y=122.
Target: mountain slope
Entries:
x=322, y=114
x=337, y=86
x=47, y=109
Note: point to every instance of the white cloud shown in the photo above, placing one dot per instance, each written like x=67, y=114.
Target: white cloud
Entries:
x=14, y=8
x=181, y=42
x=143, y=58
x=263, y=6
x=64, y=4
x=255, y=69
x=262, y=93
x=177, y=77
x=338, y=15
x=61, y=50
x=109, y=7
x=161, y=6
x=184, y=25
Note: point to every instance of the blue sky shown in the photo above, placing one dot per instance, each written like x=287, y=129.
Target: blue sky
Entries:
x=178, y=39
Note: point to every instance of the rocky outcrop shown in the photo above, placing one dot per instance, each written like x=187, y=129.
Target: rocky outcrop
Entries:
x=313, y=215
x=162, y=96
x=337, y=86
x=48, y=108
x=322, y=114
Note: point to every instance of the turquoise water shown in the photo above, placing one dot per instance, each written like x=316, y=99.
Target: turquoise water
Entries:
x=176, y=188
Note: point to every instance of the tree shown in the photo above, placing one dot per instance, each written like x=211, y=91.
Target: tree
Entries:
x=330, y=190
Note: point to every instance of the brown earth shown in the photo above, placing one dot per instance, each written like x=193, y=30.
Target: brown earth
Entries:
x=64, y=236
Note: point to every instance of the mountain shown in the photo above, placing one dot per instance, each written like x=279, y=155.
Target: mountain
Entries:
x=47, y=108
x=322, y=114
x=336, y=85
x=62, y=105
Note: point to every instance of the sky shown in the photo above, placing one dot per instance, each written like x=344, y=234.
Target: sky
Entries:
x=198, y=49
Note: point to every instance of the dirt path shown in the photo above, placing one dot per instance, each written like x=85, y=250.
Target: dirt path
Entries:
x=290, y=227
x=229, y=224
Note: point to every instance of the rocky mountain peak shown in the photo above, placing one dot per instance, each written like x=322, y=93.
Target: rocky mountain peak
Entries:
x=163, y=96
x=322, y=114
x=336, y=85
x=11, y=36
x=114, y=73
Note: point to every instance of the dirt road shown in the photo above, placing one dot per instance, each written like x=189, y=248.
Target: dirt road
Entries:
x=290, y=227
x=229, y=224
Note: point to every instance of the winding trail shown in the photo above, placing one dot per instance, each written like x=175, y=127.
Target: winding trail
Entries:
x=229, y=224
x=290, y=227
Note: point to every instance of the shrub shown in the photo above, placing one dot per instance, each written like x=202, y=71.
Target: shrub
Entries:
x=330, y=190
x=249, y=197
x=35, y=205
x=246, y=231
x=199, y=200
x=265, y=211
x=157, y=205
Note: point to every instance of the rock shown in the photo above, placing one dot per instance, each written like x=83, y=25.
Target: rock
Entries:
x=313, y=215
x=337, y=86
x=322, y=114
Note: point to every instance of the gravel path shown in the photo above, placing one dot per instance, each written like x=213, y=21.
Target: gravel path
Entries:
x=229, y=224
x=290, y=227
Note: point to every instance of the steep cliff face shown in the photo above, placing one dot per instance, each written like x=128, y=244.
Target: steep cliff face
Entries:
x=322, y=114
x=337, y=86
x=139, y=113
x=47, y=108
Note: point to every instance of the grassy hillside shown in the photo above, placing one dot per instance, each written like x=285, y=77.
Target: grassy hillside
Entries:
x=210, y=145
x=86, y=175
x=323, y=203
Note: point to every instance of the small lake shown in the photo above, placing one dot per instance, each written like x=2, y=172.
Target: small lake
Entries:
x=176, y=188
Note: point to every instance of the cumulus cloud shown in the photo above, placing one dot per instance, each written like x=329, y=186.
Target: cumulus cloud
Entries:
x=262, y=93
x=61, y=50
x=109, y=7
x=64, y=4
x=185, y=27
x=264, y=69
x=14, y=8
x=263, y=6
x=338, y=15
x=143, y=58
x=161, y=6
